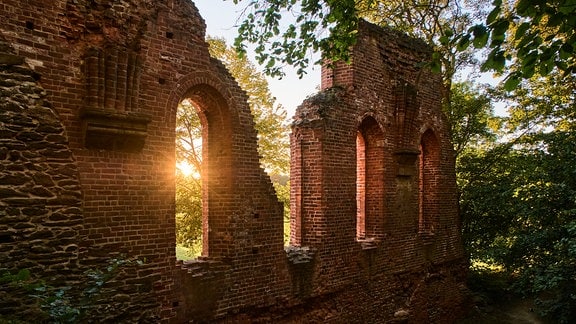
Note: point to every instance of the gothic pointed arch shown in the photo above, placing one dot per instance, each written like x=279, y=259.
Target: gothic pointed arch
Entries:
x=429, y=172
x=369, y=180
x=217, y=176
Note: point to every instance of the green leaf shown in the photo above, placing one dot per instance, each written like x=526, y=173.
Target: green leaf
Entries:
x=528, y=71
x=444, y=40
x=23, y=275
x=568, y=7
x=497, y=40
x=512, y=81
x=480, y=40
x=546, y=67
x=499, y=62
x=271, y=62
x=500, y=27
x=522, y=7
x=555, y=20
x=493, y=15
x=561, y=65
x=463, y=43
x=436, y=66
x=566, y=51
x=521, y=30
x=495, y=61
x=530, y=59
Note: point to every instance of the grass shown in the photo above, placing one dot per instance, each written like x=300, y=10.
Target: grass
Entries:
x=183, y=253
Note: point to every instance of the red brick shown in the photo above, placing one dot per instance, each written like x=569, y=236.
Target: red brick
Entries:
x=124, y=202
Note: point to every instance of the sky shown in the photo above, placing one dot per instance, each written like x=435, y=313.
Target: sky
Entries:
x=290, y=91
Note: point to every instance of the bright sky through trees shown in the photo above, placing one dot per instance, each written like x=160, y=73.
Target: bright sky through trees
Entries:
x=221, y=17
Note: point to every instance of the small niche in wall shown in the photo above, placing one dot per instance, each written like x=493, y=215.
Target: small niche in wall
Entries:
x=406, y=162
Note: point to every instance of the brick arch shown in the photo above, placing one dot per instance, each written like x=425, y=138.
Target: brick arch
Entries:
x=369, y=179
x=429, y=184
x=207, y=81
x=216, y=118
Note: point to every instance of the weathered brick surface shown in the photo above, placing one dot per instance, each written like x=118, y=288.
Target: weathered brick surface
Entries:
x=373, y=186
x=89, y=97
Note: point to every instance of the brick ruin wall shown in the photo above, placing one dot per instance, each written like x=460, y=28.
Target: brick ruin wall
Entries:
x=89, y=92
x=374, y=144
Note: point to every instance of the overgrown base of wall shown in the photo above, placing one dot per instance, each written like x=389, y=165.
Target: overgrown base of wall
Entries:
x=411, y=297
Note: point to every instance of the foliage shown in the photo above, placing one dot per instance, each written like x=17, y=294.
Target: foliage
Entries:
x=518, y=194
x=282, y=187
x=515, y=174
x=184, y=253
x=287, y=32
x=536, y=37
x=21, y=276
x=66, y=304
x=326, y=25
x=521, y=214
x=436, y=22
x=188, y=186
x=470, y=117
x=531, y=37
x=541, y=103
x=269, y=118
x=189, y=136
x=188, y=212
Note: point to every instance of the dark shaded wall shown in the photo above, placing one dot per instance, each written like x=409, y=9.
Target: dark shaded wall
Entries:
x=40, y=196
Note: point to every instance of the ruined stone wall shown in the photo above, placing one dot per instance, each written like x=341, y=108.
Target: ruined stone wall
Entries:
x=114, y=73
x=90, y=91
x=401, y=239
x=40, y=197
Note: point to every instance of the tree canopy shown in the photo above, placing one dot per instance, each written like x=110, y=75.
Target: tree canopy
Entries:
x=517, y=193
x=270, y=118
x=286, y=31
x=531, y=36
x=527, y=37
x=327, y=25
x=520, y=214
x=471, y=117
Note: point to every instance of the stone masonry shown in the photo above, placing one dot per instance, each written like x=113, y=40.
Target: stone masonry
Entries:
x=88, y=97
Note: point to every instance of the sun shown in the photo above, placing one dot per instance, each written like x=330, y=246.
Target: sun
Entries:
x=187, y=169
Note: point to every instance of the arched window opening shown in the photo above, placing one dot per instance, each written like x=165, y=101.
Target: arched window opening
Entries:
x=204, y=121
x=369, y=181
x=189, y=176
x=360, y=186
x=428, y=182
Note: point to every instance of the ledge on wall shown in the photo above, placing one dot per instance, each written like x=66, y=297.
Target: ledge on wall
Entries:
x=367, y=243
x=113, y=130
x=299, y=255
